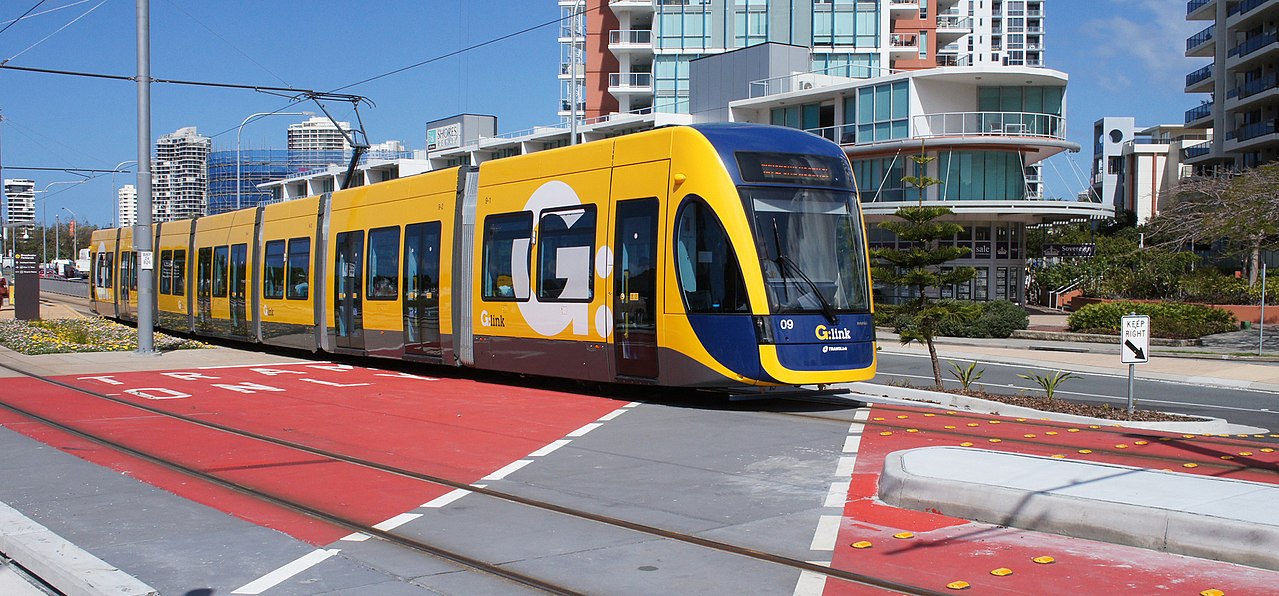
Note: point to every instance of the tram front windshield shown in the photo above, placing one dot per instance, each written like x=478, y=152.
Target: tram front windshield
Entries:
x=810, y=249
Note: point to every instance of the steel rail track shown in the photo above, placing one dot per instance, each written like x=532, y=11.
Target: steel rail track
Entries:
x=755, y=554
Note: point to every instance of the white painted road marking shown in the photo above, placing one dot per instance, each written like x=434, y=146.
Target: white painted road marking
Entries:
x=827, y=533
x=550, y=448
x=508, y=469
x=274, y=578
x=447, y=498
x=838, y=494
x=397, y=521
x=585, y=429
x=613, y=414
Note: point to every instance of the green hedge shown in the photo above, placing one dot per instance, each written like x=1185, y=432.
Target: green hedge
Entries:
x=999, y=318
x=1174, y=320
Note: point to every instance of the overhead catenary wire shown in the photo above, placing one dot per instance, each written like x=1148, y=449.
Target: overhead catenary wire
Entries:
x=59, y=30
x=22, y=16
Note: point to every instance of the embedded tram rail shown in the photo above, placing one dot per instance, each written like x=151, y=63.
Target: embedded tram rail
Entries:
x=347, y=523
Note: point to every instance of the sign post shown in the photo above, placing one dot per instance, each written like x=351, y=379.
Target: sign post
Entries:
x=1134, y=349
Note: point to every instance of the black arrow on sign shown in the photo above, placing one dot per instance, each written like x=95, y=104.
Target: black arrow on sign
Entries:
x=1135, y=350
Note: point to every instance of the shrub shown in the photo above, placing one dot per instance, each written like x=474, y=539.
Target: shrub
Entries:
x=999, y=318
x=1174, y=320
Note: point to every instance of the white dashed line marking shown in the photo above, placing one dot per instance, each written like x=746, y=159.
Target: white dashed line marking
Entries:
x=274, y=578
x=550, y=448
x=585, y=429
x=508, y=469
x=445, y=499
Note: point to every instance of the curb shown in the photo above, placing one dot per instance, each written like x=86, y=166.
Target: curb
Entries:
x=1187, y=514
x=61, y=564
x=908, y=396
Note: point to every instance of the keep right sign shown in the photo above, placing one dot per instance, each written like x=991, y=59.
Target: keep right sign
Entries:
x=1134, y=342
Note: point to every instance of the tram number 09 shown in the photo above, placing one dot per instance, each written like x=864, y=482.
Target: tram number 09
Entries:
x=786, y=324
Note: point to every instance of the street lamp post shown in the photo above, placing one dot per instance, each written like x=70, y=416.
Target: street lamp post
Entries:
x=237, y=144
x=44, y=217
x=115, y=213
x=75, y=244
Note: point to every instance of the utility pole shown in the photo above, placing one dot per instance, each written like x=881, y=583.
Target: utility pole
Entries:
x=142, y=238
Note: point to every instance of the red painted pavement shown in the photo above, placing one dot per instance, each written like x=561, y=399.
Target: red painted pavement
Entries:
x=943, y=549
x=457, y=429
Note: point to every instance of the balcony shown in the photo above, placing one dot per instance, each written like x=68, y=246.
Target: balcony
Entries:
x=624, y=40
x=903, y=42
x=1252, y=44
x=1199, y=113
x=988, y=124
x=1195, y=12
x=1254, y=87
x=1199, y=76
x=1252, y=131
x=632, y=82
x=1196, y=151
x=1199, y=43
x=952, y=60
x=1243, y=8
x=637, y=6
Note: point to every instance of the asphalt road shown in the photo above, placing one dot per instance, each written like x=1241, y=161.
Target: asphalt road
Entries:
x=1239, y=406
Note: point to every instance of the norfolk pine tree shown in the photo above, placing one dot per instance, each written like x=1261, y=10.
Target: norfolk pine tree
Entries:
x=919, y=267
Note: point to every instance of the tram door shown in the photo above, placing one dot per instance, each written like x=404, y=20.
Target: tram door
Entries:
x=204, y=289
x=239, y=266
x=635, y=288
x=422, y=289
x=348, y=267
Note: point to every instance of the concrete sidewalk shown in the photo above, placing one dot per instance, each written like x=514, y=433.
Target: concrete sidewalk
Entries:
x=1200, y=516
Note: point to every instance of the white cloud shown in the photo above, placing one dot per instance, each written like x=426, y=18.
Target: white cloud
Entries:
x=1151, y=41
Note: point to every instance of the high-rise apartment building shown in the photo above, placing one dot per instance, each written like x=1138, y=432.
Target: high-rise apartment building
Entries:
x=21, y=196
x=1242, y=106
x=318, y=142
x=180, y=174
x=126, y=201
x=633, y=55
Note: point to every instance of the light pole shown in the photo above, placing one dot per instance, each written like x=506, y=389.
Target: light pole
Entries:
x=44, y=217
x=237, y=144
x=75, y=244
x=572, y=86
x=115, y=213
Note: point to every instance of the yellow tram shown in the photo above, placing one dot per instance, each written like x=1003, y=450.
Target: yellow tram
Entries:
x=718, y=256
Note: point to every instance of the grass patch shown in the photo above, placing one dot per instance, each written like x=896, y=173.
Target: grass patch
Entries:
x=61, y=336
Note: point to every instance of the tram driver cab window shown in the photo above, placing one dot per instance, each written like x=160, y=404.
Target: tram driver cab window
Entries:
x=705, y=264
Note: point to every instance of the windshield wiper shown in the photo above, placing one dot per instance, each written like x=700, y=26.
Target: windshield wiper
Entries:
x=827, y=309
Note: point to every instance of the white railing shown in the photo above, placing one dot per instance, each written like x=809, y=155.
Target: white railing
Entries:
x=1002, y=124
x=631, y=37
x=631, y=80
x=825, y=77
x=954, y=22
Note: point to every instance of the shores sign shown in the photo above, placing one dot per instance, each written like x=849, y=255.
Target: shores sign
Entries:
x=444, y=137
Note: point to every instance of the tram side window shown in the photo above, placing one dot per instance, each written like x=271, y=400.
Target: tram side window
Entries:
x=166, y=271
x=299, y=269
x=709, y=276
x=384, y=264
x=179, y=272
x=507, y=241
x=273, y=270
x=106, y=267
x=565, y=246
x=124, y=270
x=221, y=257
x=204, y=273
x=133, y=271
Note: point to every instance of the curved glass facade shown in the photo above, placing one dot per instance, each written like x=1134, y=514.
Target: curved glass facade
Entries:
x=981, y=176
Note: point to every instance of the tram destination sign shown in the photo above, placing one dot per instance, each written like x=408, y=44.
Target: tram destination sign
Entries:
x=1053, y=251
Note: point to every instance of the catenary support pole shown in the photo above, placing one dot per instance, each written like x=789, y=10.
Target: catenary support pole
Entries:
x=142, y=238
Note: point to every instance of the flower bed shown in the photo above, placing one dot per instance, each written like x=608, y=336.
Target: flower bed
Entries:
x=60, y=336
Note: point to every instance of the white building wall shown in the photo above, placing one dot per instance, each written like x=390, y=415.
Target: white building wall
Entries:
x=20, y=194
x=126, y=206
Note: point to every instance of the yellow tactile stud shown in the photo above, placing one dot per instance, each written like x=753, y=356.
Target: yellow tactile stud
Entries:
x=1021, y=420
x=862, y=544
x=1242, y=436
x=951, y=412
x=912, y=430
x=902, y=417
x=1141, y=442
x=966, y=444
x=1187, y=436
x=1121, y=446
x=886, y=433
x=904, y=535
x=1212, y=592
x=1072, y=430
x=1044, y=560
x=1093, y=426
x=949, y=427
x=1029, y=435
x=1267, y=450
x=1001, y=572
x=958, y=585
x=996, y=440
x=1085, y=451
x=973, y=424
x=1245, y=453
x=1165, y=438
x=1227, y=457
x=1051, y=433
x=993, y=421
x=1059, y=456
x=1190, y=465
x=1258, y=436
x=878, y=419
x=930, y=415
x=1274, y=436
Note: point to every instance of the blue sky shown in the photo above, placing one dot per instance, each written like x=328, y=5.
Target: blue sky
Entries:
x=1124, y=57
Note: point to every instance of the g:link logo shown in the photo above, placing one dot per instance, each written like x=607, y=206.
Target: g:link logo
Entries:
x=826, y=334
x=487, y=320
